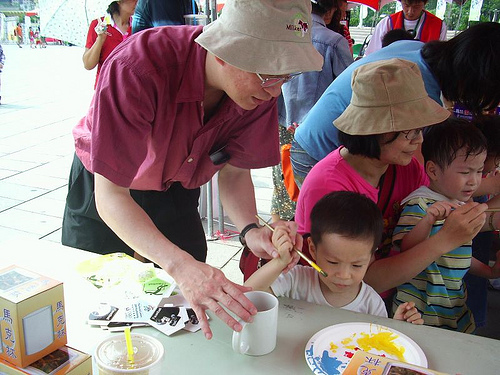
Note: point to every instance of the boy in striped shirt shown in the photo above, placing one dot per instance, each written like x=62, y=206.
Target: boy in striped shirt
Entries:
x=454, y=155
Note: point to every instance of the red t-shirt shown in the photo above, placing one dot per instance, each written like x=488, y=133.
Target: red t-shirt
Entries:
x=109, y=45
x=144, y=129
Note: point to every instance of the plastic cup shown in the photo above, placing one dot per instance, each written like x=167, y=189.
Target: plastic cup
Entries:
x=195, y=19
x=112, y=358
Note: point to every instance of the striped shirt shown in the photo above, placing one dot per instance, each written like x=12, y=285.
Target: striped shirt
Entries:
x=438, y=291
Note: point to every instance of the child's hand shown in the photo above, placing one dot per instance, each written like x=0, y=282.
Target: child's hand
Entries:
x=407, y=311
x=495, y=269
x=439, y=211
x=283, y=243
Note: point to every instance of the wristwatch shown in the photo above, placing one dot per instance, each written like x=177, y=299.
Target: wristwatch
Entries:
x=245, y=231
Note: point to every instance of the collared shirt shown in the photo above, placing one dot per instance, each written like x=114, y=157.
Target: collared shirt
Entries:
x=301, y=93
x=145, y=130
x=114, y=38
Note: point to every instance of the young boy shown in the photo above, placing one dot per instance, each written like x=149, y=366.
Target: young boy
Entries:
x=454, y=154
x=346, y=228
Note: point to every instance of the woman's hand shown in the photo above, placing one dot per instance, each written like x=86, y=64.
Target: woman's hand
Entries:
x=463, y=224
x=101, y=28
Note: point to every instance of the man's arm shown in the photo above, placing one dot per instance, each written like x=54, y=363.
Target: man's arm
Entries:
x=205, y=287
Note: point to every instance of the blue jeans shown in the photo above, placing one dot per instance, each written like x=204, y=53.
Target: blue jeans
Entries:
x=302, y=163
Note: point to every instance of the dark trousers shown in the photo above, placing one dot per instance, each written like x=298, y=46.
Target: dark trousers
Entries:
x=174, y=212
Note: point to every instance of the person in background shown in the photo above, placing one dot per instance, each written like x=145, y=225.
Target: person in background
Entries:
x=454, y=154
x=423, y=25
x=174, y=105
x=153, y=13
x=342, y=245
x=282, y=205
x=102, y=38
x=2, y=61
x=300, y=94
x=464, y=69
x=337, y=22
x=18, y=31
x=395, y=35
x=31, y=35
x=477, y=287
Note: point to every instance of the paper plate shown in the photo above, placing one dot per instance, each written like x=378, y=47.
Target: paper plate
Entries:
x=329, y=350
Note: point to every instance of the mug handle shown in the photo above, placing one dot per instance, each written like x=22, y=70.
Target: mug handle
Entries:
x=239, y=346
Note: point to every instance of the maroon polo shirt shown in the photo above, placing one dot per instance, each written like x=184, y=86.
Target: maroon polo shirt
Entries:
x=144, y=129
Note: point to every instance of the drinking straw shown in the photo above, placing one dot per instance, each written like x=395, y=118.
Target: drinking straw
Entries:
x=130, y=348
x=301, y=254
x=194, y=8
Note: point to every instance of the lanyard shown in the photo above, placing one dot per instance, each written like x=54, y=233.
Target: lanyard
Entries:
x=414, y=31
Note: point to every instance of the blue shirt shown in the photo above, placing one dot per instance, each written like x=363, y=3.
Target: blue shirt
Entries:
x=317, y=135
x=153, y=13
x=300, y=94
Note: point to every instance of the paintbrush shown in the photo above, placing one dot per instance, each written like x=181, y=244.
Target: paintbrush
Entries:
x=492, y=210
x=302, y=255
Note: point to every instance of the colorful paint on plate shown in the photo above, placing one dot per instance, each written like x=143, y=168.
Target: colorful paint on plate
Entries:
x=329, y=350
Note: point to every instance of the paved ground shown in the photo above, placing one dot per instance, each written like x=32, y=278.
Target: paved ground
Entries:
x=44, y=93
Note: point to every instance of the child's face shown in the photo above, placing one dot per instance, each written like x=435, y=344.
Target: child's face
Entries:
x=460, y=179
x=345, y=260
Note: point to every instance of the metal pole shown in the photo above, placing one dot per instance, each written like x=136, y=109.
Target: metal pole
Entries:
x=210, y=212
x=221, y=214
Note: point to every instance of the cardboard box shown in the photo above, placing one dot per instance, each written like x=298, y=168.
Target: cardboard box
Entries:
x=63, y=361
x=32, y=318
x=367, y=363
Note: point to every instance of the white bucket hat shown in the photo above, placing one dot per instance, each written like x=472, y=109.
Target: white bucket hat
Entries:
x=264, y=36
x=389, y=96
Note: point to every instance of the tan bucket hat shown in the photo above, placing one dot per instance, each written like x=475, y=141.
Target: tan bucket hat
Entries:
x=389, y=96
x=264, y=36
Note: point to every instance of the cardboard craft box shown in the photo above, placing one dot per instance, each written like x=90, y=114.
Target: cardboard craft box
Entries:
x=367, y=363
x=32, y=317
x=63, y=361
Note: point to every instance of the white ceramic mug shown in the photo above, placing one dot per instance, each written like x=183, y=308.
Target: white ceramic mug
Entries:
x=258, y=337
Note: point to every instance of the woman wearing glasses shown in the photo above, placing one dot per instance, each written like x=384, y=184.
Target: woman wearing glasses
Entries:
x=380, y=132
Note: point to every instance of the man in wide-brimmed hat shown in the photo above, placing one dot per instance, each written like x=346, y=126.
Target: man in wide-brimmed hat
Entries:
x=175, y=105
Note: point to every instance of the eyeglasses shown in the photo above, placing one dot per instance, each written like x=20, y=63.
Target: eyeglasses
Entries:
x=273, y=80
x=412, y=134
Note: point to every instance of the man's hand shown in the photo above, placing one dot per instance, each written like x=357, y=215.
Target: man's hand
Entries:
x=206, y=288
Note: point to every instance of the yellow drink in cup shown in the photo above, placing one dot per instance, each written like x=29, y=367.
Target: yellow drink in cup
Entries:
x=112, y=358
